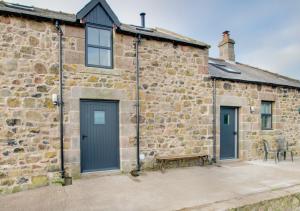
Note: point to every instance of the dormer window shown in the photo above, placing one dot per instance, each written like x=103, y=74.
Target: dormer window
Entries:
x=100, y=21
x=99, y=51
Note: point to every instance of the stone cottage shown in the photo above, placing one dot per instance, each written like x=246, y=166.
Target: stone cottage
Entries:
x=69, y=103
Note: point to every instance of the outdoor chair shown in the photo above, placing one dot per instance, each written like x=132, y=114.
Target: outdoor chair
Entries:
x=283, y=148
x=268, y=150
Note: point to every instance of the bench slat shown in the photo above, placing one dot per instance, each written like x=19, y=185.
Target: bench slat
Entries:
x=175, y=157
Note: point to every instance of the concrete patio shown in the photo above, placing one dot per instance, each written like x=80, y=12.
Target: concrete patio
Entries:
x=228, y=184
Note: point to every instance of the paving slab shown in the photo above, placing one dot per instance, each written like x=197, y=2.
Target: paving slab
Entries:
x=225, y=184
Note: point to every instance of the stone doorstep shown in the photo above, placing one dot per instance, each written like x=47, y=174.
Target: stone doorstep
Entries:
x=247, y=199
x=229, y=162
x=89, y=175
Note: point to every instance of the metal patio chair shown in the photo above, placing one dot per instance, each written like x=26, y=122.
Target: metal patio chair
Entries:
x=268, y=150
x=283, y=149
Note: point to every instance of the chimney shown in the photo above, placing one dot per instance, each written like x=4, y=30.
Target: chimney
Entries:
x=143, y=19
x=226, y=47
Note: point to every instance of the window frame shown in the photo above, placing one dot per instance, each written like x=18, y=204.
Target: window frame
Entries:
x=266, y=115
x=110, y=29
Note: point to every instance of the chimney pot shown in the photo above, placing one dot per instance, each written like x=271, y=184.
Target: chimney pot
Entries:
x=143, y=19
x=226, y=33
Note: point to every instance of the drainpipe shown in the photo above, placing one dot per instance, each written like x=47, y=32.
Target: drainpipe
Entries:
x=61, y=102
x=214, y=122
x=137, y=44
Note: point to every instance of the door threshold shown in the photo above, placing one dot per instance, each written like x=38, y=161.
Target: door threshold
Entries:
x=230, y=160
x=100, y=173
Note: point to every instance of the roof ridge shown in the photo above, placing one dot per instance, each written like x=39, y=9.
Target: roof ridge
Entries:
x=171, y=32
x=180, y=36
x=270, y=72
x=216, y=59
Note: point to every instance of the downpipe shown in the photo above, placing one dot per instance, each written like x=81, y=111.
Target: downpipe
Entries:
x=60, y=102
x=214, y=159
x=136, y=171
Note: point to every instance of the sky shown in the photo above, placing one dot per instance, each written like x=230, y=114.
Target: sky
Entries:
x=266, y=32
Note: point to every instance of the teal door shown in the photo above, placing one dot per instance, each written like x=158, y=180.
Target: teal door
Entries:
x=99, y=128
x=228, y=139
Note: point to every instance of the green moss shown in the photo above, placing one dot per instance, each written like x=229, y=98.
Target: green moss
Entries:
x=58, y=181
x=39, y=181
x=7, y=182
x=2, y=175
x=16, y=189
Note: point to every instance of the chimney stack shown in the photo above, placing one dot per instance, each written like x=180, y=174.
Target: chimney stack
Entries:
x=143, y=19
x=226, y=47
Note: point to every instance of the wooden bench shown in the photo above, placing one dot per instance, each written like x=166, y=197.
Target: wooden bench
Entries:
x=162, y=160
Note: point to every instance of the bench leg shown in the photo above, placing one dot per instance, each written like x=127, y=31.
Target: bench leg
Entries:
x=201, y=161
x=162, y=166
x=284, y=155
x=206, y=159
x=266, y=156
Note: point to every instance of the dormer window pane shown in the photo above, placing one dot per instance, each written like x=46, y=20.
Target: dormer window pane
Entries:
x=94, y=56
x=105, y=38
x=105, y=57
x=93, y=36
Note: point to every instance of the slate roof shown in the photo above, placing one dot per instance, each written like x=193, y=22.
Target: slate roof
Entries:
x=162, y=34
x=245, y=73
x=36, y=12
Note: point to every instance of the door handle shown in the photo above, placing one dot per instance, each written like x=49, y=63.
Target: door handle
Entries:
x=84, y=136
x=235, y=133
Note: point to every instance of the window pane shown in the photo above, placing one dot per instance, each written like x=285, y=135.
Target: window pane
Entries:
x=93, y=56
x=269, y=122
x=266, y=108
x=99, y=117
x=105, y=57
x=263, y=108
x=93, y=36
x=266, y=122
x=226, y=119
x=105, y=38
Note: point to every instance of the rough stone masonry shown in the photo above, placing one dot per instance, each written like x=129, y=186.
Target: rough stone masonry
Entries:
x=176, y=102
x=171, y=78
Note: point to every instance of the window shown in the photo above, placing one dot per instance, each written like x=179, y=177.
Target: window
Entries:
x=99, y=47
x=266, y=115
x=224, y=68
x=99, y=117
x=226, y=119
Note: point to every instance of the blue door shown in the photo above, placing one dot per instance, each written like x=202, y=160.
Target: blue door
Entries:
x=99, y=128
x=228, y=138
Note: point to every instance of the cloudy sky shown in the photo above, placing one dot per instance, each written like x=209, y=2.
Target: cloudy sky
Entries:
x=267, y=32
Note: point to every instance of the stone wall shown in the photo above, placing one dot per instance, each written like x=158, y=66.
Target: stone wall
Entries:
x=171, y=77
x=286, y=117
x=176, y=102
x=176, y=99
x=29, y=138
